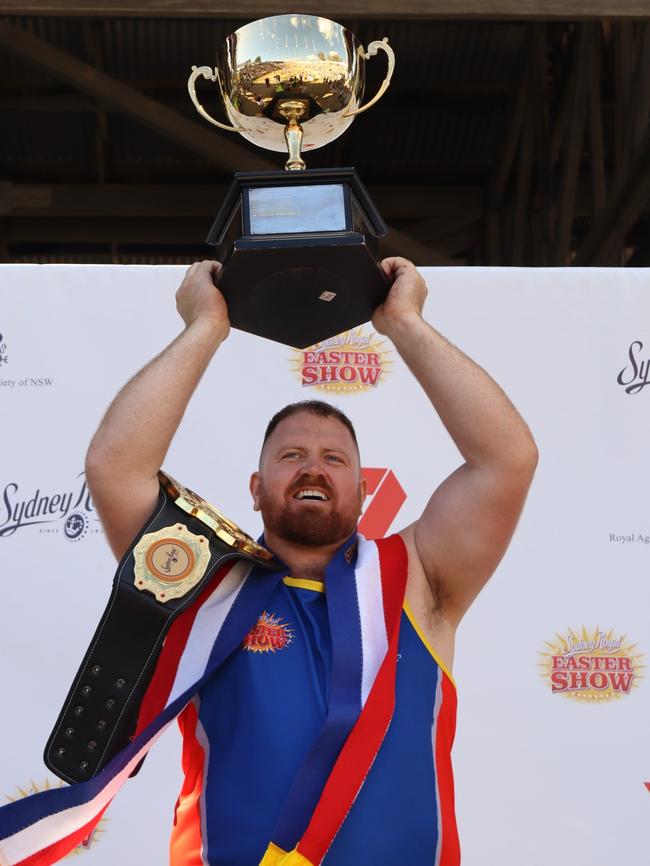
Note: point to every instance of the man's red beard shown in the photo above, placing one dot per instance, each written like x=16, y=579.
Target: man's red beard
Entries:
x=310, y=525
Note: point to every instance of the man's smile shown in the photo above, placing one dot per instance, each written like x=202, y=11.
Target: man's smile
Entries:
x=312, y=494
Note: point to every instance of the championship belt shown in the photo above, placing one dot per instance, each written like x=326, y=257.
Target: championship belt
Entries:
x=173, y=558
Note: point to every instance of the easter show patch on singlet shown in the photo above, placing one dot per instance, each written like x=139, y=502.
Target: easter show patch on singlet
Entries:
x=269, y=634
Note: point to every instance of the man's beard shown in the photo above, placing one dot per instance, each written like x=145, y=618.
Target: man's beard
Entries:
x=311, y=526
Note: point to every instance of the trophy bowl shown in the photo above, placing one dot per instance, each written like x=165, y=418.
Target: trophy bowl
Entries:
x=291, y=82
x=299, y=247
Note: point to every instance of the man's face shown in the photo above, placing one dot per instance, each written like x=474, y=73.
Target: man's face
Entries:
x=309, y=486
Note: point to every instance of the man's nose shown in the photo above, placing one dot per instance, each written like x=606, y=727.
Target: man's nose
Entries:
x=314, y=465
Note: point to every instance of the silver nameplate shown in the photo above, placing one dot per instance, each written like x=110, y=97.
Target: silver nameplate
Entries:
x=297, y=209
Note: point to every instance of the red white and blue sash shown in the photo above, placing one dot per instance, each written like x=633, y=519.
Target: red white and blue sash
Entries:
x=365, y=594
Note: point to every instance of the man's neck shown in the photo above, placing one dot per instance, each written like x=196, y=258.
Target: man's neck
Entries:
x=302, y=561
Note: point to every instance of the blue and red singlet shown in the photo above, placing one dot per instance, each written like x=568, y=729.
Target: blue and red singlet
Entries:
x=248, y=730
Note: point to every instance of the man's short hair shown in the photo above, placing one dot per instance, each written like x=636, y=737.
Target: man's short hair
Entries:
x=316, y=407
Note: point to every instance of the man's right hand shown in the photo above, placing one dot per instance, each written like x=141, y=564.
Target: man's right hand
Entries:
x=199, y=298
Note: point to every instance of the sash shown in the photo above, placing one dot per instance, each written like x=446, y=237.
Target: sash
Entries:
x=381, y=584
x=365, y=594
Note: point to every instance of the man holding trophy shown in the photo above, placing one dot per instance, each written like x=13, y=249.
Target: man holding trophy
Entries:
x=355, y=747
x=309, y=490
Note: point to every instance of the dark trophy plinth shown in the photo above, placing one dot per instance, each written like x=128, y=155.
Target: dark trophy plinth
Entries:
x=300, y=248
x=300, y=254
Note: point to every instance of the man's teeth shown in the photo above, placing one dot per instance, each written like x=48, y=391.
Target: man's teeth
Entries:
x=312, y=494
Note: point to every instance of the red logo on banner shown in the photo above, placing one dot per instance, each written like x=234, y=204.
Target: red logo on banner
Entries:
x=268, y=634
x=591, y=665
x=349, y=362
x=388, y=497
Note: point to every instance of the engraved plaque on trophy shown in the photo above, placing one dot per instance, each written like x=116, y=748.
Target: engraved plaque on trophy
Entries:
x=300, y=247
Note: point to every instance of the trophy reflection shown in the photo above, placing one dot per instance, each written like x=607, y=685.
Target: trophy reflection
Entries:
x=300, y=247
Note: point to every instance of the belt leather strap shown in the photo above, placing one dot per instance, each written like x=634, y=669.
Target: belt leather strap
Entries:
x=176, y=554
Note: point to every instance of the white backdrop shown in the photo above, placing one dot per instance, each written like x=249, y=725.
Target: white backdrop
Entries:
x=541, y=777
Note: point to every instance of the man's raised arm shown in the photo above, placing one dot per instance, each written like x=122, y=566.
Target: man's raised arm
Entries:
x=132, y=440
x=468, y=522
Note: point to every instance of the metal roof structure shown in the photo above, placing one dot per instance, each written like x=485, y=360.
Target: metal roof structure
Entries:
x=513, y=133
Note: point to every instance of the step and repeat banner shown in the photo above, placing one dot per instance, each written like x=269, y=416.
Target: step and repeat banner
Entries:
x=552, y=758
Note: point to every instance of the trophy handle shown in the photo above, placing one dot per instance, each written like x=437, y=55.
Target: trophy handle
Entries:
x=373, y=47
x=211, y=75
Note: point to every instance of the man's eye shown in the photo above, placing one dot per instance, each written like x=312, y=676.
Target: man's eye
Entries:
x=334, y=458
x=290, y=454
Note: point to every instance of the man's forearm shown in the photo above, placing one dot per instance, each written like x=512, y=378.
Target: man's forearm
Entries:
x=136, y=432
x=479, y=417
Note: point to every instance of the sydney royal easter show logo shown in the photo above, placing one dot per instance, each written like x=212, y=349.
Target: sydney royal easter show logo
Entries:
x=591, y=666
x=353, y=361
x=269, y=634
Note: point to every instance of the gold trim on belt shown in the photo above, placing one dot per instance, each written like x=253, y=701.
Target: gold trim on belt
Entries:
x=224, y=529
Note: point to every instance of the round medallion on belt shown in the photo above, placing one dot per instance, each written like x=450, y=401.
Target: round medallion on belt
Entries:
x=170, y=559
x=170, y=562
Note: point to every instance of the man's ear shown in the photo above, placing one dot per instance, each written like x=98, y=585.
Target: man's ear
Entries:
x=254, y=486
x=363, y=487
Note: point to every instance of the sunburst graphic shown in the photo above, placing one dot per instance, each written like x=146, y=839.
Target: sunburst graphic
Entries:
x=349, y=363
x=33, y=788
x=269, y=634
x=591, y=666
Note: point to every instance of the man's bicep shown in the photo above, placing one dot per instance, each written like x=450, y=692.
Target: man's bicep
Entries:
x=123, y=508
x=465, y=529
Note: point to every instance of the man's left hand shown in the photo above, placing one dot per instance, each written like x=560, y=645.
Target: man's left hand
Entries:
x=405, y=298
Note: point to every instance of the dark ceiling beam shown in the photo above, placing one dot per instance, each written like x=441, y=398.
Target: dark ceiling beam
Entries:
x=170, y=233
x=219, y=148
x=624, y=63
x=596, y=131
x=439, y=226
x=337, y=9
x=578, y=87
x=398, y=243
x=520, y=229
x=451, y=236
x=93, y=46
x=641, y=94
x=604, y=241
x=537, y=246
x=464, y=93
x=395, y=201
x=517, y=112
x=77, y=231
x=498, y=182
x=181, y=214
x=119, y=200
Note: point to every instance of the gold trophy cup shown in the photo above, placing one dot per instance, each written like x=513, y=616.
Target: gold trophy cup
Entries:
x=300, y=247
